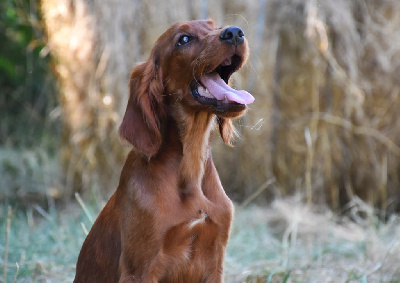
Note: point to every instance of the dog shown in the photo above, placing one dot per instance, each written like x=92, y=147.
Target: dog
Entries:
x=169, y=219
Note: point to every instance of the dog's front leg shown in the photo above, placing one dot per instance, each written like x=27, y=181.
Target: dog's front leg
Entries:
x=153, y=273
x=149, y=268
x=126, y=278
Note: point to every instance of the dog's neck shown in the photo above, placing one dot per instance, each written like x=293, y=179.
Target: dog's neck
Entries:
x=194, y=133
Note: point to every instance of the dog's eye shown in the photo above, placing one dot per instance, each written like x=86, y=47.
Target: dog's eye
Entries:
x=184, y=39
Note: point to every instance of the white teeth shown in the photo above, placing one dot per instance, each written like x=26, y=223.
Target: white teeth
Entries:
x=204, y=92
x=227, y=62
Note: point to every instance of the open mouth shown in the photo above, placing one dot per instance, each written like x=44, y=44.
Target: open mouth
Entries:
x=213, y=89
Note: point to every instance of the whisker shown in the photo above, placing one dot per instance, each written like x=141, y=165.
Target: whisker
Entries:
x=238, y=15
x=257, y=126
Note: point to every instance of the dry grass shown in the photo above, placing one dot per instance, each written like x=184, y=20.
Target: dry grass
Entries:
x=326, y=96
x=324, y=74
x=293, y=242
x=334, y=101
x=95, y=45
x=29, y=176
x=287, y=242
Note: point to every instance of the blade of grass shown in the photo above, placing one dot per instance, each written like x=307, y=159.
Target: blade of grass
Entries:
x=269, y=279
x=84, y=207
x=6, y=244
x=16, y=273
x=262, y=188
x=42, y=212
x=85, y=230
x=286, y=278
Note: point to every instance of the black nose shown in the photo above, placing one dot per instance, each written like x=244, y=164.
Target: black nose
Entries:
x=232, y=35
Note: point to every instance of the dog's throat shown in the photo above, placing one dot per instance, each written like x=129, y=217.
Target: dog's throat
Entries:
x=195, y=136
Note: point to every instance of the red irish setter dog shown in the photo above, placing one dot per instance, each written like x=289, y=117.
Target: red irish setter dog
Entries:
x=169, y=220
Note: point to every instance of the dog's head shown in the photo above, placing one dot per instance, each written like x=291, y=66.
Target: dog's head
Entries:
x=191, y=63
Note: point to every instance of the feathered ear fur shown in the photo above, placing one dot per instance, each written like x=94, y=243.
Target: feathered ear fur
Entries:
x=141, y=125
x=227, y=130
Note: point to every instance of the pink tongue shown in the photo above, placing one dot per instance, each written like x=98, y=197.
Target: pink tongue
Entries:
x=219, y=89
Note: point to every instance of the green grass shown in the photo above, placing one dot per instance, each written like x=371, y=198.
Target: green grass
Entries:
x=44, y=246
x=287, y=242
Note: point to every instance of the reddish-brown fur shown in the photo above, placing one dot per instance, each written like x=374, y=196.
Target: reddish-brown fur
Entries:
x=169, y=219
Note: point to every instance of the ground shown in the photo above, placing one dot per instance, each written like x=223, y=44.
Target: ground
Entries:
x=285, y=241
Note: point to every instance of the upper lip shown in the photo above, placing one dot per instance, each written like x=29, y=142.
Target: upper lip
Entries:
x=228, y=66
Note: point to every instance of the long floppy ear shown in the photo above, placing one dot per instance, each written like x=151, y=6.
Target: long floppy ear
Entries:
x=141, y=125
x=227, y=130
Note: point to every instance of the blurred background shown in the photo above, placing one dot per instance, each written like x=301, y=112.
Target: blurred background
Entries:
x=322, y=133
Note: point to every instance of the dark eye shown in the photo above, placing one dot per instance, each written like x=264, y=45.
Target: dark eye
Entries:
x=184, y=39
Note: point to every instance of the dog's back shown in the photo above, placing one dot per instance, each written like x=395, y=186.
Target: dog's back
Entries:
x=99, y=257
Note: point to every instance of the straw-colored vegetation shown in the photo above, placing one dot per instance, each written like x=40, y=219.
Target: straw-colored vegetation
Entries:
x=324, y=73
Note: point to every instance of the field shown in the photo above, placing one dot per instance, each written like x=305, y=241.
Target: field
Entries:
x=286, y=242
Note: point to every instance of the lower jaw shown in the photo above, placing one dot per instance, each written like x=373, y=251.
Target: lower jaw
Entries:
x=230, y=111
